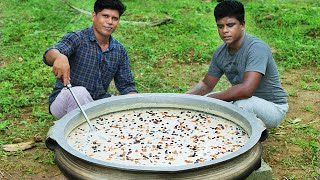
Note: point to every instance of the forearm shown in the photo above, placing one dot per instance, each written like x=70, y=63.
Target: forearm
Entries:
x=199, y=89
x=244, y=90
x=52, y=55
x=234, y=93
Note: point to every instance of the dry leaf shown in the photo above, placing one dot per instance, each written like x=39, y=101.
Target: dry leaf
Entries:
x=18, y=147
x=280, y=133
x=295, y=121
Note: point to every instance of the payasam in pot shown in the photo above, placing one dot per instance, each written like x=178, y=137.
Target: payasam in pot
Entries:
x=158, y=136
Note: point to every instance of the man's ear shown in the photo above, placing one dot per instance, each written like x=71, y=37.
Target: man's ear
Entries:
x=93, y=15
x=243, y=25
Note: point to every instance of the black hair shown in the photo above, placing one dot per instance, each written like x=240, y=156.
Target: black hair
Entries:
x=100, y=5
x=229, y=8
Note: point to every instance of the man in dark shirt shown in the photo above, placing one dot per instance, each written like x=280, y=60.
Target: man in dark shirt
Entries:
x=90, y=59
x=248, y=64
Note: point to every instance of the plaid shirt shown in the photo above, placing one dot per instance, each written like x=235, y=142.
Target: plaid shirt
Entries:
x=93, y=68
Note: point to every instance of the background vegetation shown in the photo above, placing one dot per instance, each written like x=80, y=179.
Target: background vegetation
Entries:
x=167, y=58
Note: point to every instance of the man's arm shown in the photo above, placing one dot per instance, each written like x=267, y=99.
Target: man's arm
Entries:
x=60, y=63
x=243, y=90
x=123, y=78
x=205, y=86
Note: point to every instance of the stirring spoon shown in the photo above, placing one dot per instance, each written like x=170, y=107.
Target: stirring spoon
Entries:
x=84, y=113
x=79, y=105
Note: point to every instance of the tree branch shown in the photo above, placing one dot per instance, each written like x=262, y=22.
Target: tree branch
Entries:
x=153, y=23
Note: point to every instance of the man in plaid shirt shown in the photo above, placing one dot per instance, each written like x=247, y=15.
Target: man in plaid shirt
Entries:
x=90, y=59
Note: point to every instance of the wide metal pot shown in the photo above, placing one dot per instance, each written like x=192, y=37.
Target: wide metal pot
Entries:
x=238, y=164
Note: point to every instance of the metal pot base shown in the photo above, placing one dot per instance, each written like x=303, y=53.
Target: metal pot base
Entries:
x=238, y=168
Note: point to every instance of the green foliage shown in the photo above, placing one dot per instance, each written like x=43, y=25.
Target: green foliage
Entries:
x=292, y=28
x=4, y=125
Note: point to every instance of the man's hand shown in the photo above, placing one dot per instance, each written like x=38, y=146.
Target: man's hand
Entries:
x=205, y=86
x=60, y=63
x=61, y=69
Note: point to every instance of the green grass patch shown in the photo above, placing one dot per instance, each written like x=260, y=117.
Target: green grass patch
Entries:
x=291, y=28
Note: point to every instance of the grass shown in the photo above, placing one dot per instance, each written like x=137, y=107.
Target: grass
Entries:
x=166, y=58
x=298, y=25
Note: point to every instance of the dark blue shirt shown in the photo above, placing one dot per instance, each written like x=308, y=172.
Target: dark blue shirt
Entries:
x=93, y=68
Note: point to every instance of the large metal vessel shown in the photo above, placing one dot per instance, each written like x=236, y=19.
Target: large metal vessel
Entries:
x=238, y=164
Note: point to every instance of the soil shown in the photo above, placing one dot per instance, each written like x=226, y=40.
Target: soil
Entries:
x=275, y=147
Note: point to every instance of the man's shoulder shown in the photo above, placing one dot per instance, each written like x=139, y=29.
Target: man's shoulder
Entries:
x=115, y=41
x=116, y=44
x=221, y=47
x=255, y=42
x=220, y=50
x=83, y=33
x=250, y=39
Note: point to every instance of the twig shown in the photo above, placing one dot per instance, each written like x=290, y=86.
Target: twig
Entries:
x=142, y=85
x=78, y=9
x=154, y=23
x=2, y=175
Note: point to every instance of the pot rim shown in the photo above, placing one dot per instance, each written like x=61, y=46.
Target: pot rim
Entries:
x=248, y=121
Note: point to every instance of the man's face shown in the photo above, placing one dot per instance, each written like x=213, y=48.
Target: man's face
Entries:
x=105, y=22
x=230, y=30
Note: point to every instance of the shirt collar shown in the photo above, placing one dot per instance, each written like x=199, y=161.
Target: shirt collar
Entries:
x=92, y=37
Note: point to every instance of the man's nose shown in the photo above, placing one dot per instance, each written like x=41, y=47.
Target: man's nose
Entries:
x=109, y=20
x=225, y=29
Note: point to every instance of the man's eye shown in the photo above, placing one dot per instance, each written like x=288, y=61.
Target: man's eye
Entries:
x=230, y=25
x=220, y=26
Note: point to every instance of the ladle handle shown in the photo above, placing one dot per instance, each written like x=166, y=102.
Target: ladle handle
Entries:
x=79, y=105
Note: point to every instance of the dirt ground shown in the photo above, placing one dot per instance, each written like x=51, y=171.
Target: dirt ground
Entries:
x=275, y=148
x=278, y=146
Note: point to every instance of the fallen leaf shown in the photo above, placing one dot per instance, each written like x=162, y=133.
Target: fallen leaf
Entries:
x=37, y=138
x=19, y=146
x=295, y=121
x=280, y=133
x=17, y=140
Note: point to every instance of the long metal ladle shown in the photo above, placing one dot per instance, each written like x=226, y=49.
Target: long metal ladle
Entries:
x=79, y=105
x=93, y=130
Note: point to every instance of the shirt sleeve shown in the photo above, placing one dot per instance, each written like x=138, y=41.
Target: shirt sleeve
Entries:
x=124, y=78
x=65, y=46
x=214, y=69
x=258, y=58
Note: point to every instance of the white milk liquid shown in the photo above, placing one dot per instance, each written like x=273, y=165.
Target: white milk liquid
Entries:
x=159, y=137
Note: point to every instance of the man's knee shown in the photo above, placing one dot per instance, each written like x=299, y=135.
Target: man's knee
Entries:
x=82, y=94
x=65, y=102
x=80, y=91
x=244, y=104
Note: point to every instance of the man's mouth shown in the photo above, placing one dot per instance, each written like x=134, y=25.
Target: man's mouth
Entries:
x=108, y=28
